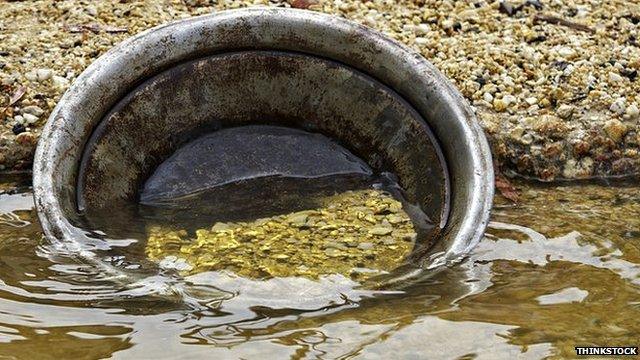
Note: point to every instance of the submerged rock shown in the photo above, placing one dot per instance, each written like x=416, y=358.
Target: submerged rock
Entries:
x=244, y=153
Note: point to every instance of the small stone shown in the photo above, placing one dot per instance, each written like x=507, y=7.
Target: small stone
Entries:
x=565, y=111
x=18, y=129
x=350, y=242
x=395, y=219
x=526, y=139
x=92, y=10
x=26, y=138
x=220, y=226
x=297, y=219
x=487, y=97
x=33, y=110
x=422, y=29
x=531, y=100
x=333, y=252
x=507, y=8
x=632, y=111
x=31, y=76
x=30, y=119
x=44, y=74
x=421, y=41
x=365, y=246
x=568, y=70
x=389, y=242
x=292, y=240
x=19, y=119
x=618, y=106
x=281, y=257
x=516, y=133
x=59, y=82
x=499, y=105
x=615, y=129
x=303, y=4
x=380, y=231
x=613, y=77
x=566, y=52
x=334, y=245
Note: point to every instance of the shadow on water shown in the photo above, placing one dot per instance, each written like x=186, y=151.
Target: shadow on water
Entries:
x=560, y=269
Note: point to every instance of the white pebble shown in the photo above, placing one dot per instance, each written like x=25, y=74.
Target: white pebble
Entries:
x=632, y=111
x=19, y=119
x=30, y=119
x=31, y=76
x=568, y=70
x=60, y=82
x=44, y=74
x=487, y=97
x=613, y=77
x=565, y=111
x=422, y=41
x=33, y=110
x=92, y=10
x=422, y=29
x=618, y=106
x=509, y=99
x=566, y=52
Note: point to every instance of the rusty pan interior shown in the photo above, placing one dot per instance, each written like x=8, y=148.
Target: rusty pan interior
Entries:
x=171, y=109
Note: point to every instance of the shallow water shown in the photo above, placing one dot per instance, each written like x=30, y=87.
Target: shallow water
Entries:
x=559, y=270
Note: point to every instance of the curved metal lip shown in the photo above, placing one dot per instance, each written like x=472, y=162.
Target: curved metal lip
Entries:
x=111, y=76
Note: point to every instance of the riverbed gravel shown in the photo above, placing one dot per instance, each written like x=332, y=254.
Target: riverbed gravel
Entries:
x=555, y=84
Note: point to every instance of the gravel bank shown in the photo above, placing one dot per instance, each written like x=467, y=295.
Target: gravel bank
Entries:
x=555, y=83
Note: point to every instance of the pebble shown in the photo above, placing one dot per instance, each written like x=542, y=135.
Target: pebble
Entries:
x=509, y=99
x=26, y=138
x=565, y=111
x=500, y=104
x=33, y=110
x=566, y=52
x=220, y=226
x=365, y=246
x=333, y=252
x=423, y=29
x=618, y=105
x=18, y=129
x=44, y=74
x=421, y=41
x=281, y=257
x=615, y=78
x=92, y=10
x=297, y=219
x=506, y=7
x=29, y=119
x=615, y=129
x=389, y=242
x=59, y=82
x=632, y=111
x=378, y=230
